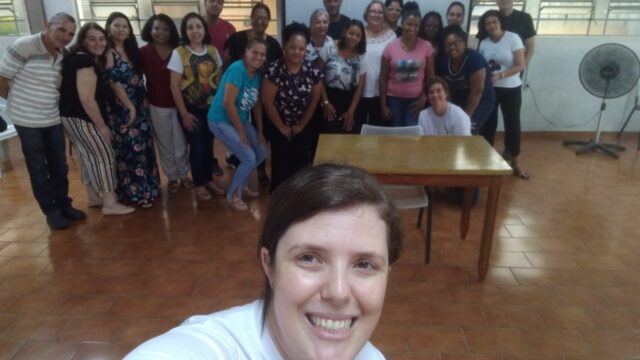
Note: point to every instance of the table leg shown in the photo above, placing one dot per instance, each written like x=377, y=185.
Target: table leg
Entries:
x=466, y=213
x=488, y=226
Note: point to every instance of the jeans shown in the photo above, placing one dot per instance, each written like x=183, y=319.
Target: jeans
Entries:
x=509, y=100
x=200, y=142
x=43, y=150
x=250, y=155
x=401, y=111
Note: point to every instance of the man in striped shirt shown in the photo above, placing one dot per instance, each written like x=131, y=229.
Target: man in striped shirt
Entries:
x=29, y=80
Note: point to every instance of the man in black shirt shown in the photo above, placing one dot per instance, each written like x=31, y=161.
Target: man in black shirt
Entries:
x=337, y=21
x=519, y=22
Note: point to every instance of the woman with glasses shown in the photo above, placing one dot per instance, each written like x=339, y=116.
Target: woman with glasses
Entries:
x=468, y=76
x=378, y=36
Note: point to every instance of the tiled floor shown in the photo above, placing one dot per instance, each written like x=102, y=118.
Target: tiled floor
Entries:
x=564, y=281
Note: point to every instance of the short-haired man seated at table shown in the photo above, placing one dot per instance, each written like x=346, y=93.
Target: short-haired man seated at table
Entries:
x=442, y=117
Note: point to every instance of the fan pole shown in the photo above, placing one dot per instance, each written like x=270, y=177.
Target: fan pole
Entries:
x=592, y=145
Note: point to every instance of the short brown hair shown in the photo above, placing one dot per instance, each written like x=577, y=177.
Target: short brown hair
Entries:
x=325, y=187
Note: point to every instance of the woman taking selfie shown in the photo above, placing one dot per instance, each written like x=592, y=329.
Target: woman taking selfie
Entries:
x=329, y=240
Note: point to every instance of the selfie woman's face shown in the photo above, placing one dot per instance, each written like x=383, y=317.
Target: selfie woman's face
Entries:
x=329, y=278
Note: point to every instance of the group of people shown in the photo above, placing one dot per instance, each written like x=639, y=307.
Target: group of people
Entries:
x=118, y=102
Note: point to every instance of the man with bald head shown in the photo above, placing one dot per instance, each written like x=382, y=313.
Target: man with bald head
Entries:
x=29, y=81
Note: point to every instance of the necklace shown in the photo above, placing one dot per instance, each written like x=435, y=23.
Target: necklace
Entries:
x=456, y=73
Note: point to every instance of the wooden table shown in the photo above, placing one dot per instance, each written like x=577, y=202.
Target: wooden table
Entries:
x=441, y=161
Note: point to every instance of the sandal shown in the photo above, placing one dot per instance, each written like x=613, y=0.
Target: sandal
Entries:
x=187, y=183
x=250, y=193
x=145, y=204
x=174, y=185
x=202, y=194
x=215, y=188
x=519, y=173
x=237, y=204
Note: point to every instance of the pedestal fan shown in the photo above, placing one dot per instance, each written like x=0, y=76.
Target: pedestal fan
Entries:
x=607, y=71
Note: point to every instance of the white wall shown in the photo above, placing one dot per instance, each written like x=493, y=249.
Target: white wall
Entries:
x=552, y=76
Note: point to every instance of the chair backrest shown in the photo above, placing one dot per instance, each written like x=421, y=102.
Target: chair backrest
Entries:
x=383, y=130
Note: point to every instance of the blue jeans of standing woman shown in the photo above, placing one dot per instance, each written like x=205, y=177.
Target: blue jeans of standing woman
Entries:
x=402, y=111
x=249, y=155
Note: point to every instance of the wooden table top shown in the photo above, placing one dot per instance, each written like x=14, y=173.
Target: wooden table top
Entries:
x=413, y=155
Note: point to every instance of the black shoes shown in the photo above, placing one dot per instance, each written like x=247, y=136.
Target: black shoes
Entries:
x=73, y=214
x=57, y=221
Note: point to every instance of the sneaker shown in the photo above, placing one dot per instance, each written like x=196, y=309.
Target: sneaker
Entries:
x=173, y=185
x=232, y=161
x=187, y=183
x=216, y=170
x=73, y=214
x=118, y=209
x=57, y=221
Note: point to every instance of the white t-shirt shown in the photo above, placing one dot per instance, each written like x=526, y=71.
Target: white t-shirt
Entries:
x=371, y=62
x=235, y=333
x=500, y=57
x=454, y=122
x=175, y=62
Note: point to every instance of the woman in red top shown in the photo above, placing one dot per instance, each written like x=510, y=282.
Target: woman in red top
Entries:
x=162, y=37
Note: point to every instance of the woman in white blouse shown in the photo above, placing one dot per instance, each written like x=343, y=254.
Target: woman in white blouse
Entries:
x=504, y=52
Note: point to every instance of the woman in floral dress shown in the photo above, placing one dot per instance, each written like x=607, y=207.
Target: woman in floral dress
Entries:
x=128, y=109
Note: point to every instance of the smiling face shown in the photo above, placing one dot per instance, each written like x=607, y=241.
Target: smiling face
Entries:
x=352, y=37
x=95, y=42
x=160, y=32
x=260, y=21
x=393, y=12
x=410, y=26
x=294, y=49
x=320, y=26
x=375, y=15
x=332, y=7
x=455, y=16
x=454, y=46
x=119, y=29
x=437, y=96
x=195, y=31
x=329, y=278
x=60, y=33
x=255, y=56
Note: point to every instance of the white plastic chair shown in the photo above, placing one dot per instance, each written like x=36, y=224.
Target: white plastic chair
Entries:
x=407, y=196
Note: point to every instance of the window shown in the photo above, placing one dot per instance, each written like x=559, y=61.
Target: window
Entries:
x=13, y=18
x=574, y=17
x=236, y=11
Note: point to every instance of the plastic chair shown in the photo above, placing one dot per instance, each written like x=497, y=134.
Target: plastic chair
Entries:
x=407, y=196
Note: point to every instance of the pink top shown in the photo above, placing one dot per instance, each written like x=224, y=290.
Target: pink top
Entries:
x=220, y=32
x=157, y=74
x=406, y=75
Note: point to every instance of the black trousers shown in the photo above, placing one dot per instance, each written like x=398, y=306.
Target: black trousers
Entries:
x=289, y=155
x=509, y=100
x=369, y=112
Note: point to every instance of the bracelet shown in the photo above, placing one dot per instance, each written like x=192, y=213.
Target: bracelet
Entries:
x=324, y=103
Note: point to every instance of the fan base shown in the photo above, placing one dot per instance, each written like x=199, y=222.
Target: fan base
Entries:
x=593, y=145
